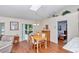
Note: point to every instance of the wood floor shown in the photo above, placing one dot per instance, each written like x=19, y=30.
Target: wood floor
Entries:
x=61, y=42
x=23, y=47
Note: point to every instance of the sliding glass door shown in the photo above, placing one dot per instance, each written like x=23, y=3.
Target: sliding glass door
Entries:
x=27, y=29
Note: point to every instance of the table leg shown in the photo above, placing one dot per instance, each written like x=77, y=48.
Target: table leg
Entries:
x=37, y=46
x=45, y=44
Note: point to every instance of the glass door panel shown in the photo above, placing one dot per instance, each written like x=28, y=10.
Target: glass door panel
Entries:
x=27, y=29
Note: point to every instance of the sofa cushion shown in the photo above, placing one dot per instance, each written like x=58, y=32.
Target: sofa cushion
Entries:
x=7, y=38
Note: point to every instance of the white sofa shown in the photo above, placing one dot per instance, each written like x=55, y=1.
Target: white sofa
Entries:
x=73, y=45
x=6, y=43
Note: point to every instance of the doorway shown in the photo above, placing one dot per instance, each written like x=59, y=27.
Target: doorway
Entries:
x=27, y=29
x=62, y=33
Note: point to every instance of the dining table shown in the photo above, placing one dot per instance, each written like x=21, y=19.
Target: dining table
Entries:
x=39, y=38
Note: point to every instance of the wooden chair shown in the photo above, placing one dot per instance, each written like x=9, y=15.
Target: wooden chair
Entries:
x=44, y=39
x=29, y=41
x=34, y=43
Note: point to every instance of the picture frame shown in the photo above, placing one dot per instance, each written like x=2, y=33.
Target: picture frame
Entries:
x=14, y=25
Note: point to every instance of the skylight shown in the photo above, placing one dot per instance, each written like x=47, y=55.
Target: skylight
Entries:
x=35, y=7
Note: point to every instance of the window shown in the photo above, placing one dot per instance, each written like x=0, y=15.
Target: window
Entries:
x=2, y=28
x=28, y=28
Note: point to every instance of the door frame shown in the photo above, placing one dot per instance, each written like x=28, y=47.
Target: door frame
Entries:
x=57, y=29
x=23, y=30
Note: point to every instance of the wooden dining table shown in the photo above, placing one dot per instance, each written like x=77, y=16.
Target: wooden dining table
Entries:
x=39, y=38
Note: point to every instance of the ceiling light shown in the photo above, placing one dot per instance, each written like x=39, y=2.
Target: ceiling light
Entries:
x=34, y=24
x=35, y=7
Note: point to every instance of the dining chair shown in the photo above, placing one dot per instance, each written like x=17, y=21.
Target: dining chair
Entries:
x=44, y=39
x=37, y=33
x=34, y=42
x=29, y=42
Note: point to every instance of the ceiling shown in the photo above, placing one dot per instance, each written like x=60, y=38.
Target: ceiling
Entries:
x=24, y=12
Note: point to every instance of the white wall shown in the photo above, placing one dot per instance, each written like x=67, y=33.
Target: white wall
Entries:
x=7, y=20
x=38, y=27
x=72, y=20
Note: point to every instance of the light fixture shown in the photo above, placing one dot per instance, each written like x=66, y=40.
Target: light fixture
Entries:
x=35, y=7
x=34, y=24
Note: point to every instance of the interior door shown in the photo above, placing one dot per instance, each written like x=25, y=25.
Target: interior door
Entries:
x=62, y=32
